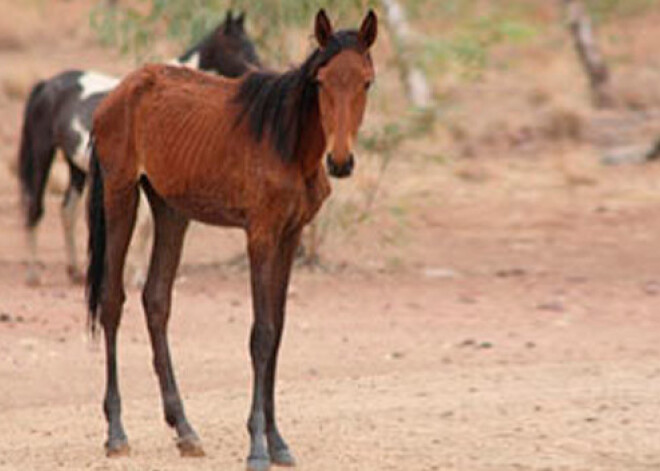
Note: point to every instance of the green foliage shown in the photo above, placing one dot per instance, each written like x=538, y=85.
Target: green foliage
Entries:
x=604, y=10
x=386, y=143
x=468, y=45
x=134, y=28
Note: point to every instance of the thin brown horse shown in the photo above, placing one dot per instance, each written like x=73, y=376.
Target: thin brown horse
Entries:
x=246, y=152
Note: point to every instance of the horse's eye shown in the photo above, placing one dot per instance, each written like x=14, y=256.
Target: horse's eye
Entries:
x=367, y=85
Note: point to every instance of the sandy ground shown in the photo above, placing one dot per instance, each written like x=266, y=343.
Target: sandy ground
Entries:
x=512, y=326
x=529, y=341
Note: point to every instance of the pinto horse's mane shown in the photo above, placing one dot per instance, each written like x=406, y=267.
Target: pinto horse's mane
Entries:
x=279, y=104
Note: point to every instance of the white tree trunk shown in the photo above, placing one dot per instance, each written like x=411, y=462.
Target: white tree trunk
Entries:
x=588, y=51
x=417, y=87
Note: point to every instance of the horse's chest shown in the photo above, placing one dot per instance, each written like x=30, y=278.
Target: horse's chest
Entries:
x=288, y=201
x=316, y=192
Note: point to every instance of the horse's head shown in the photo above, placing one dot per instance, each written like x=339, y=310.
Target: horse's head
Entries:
x=230, y=51
x=343, y=82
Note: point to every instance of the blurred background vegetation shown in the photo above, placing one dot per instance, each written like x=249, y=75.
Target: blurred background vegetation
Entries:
x=504, y=74
x=452, y=41
x=463, y=31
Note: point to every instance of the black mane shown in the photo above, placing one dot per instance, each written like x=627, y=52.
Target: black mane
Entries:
x=280, y=104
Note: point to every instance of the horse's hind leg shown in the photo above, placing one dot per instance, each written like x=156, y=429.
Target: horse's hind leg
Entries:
x=34, y=204
x=69, y=215
x=32, y=276
x=170, y=228
x=120, y=208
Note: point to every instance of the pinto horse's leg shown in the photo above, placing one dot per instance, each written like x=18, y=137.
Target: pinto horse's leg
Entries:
x=43, y=155
x=32, y=278
x=70, y=204
x=170, y=228
x=270, y=268
x=120, y=208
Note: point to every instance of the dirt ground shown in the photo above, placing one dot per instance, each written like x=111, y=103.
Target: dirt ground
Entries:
x=510, y=325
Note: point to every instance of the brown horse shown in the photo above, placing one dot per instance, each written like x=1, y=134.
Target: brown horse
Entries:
x=244, y=152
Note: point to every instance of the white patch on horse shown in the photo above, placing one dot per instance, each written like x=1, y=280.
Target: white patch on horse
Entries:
x=192, y=62
x=93, y=82
x=81, y=156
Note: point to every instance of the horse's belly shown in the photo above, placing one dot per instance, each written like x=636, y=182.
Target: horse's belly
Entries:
x=208, y=211
x=216, y=205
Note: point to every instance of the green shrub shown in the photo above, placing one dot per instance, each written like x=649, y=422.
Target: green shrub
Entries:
x=133, y=28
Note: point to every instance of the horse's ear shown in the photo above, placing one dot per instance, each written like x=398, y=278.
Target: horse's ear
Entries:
x=322, y=28
x=229, y=18
x=369, y=29
x=240, y=20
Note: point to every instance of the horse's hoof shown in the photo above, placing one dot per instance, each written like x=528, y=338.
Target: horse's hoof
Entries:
x=258, y=464
x=282, y=457
x=117, y=448
x=190, y=447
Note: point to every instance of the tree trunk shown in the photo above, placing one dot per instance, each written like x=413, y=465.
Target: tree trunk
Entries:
x=417, y=87
x=589, y=53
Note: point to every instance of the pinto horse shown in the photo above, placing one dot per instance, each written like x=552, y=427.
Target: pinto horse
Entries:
x=246, y=153
x=58, y=114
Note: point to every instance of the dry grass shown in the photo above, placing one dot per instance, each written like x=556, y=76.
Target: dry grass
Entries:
x=17, y=25
x=471, y=171
x=11, y=41
x=559, y=123
x=17, y=83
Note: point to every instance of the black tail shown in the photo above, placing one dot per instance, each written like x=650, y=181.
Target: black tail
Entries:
x=36, y=153
x=96, y=245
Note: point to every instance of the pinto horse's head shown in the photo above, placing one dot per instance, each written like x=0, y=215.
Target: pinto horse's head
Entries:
x=230, y=49
x=343, y=83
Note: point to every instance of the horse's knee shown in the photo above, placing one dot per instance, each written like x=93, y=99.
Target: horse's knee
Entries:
x=156, y=304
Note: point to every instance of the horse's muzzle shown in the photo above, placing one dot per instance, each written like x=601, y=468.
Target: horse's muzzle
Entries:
x=340, y=171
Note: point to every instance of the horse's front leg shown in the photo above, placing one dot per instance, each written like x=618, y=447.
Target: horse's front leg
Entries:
x=270, y=264
x=277, y=448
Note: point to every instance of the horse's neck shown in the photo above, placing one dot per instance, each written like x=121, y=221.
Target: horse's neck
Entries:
x=190, y=58
x=312, y=145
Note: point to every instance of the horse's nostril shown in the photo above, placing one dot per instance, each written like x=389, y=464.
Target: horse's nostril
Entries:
x=339, y=171
x=329, y=161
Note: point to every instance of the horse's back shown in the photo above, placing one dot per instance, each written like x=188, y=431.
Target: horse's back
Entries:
x=162, y=118
x=155, y=85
